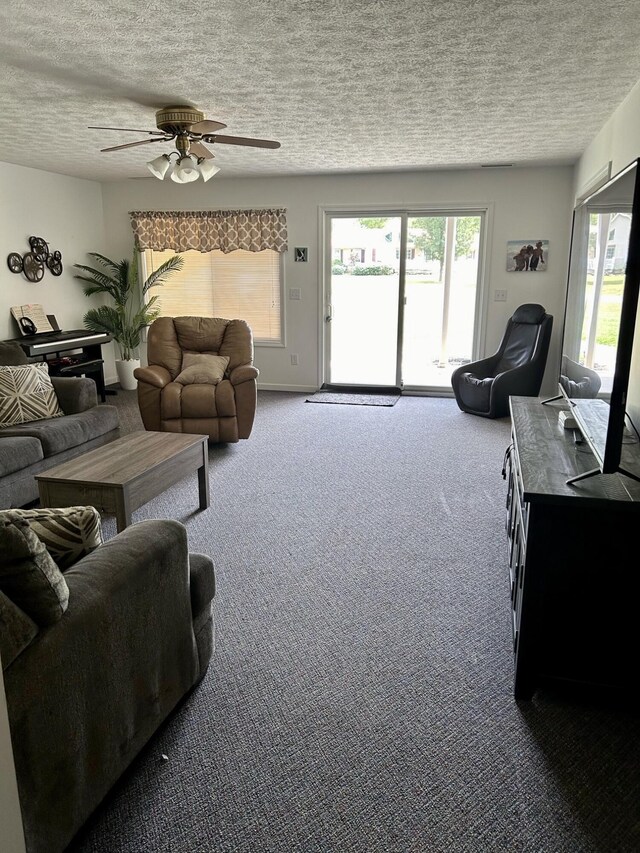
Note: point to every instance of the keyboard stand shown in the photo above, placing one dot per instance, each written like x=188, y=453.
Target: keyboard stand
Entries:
x=51, y=347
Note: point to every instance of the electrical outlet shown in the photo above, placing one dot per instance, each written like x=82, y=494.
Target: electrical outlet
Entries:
x=295, y=293
x=500, y=296
x=294, y=359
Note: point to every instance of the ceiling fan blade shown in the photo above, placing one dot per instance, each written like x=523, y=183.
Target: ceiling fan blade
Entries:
x=241, y=140
x=132, y=144
x=200, y=150
x=206, y=126
x=128, y=130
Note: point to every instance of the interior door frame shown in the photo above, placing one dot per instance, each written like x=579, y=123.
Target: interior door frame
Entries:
x=404, y=212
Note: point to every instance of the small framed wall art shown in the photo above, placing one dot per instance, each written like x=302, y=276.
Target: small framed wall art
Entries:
x=527, y=255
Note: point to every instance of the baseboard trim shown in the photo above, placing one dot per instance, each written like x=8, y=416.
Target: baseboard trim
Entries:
x=302, y=389
x=427, y=392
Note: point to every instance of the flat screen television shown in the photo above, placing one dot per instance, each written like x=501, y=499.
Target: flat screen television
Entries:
x=600, y=366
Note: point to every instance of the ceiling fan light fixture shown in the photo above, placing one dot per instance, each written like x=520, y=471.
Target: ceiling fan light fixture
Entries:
x=207, y=169
x=185, y=172
x=187, y=126
x=159, y=166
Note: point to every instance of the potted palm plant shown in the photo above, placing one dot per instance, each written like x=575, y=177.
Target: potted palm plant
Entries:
x=131, y=312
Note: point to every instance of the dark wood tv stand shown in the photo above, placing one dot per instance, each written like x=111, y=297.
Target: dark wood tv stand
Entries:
x=572, y=558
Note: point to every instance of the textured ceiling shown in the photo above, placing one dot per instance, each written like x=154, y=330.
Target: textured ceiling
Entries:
x=357, y=85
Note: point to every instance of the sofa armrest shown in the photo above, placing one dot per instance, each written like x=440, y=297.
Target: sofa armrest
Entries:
x=243, y=373
x=154, y=375
x=87, y=694
x=75, y=394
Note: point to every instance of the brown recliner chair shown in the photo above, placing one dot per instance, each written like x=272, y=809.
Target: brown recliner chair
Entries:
x=224, y=411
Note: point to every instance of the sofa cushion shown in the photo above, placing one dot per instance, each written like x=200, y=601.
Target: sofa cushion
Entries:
x=12, y=353
x=16, y=630
x=202, y=368
x=68, y=533
x=26, y=394
x=57, y=435
x=17, y=453
x=28, y=575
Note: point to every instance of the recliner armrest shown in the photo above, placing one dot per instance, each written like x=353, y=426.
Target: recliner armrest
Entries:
x=75, y=394
x=154, y=375
x=242, y=373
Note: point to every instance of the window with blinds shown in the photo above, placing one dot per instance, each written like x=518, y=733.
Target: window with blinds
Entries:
x=239, y=285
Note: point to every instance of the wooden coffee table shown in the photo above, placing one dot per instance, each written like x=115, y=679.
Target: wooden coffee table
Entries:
x=121, y=476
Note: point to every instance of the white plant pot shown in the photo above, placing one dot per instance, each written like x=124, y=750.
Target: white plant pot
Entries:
x=125, y=369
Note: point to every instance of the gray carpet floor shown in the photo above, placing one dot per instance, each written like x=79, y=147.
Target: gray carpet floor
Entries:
x=360, y=694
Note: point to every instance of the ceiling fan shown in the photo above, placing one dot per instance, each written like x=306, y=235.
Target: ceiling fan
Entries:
x=187, y=126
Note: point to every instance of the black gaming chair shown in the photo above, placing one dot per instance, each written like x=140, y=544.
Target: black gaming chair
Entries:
x=484, y=387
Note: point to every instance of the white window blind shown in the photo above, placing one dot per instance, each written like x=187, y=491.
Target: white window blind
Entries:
x=237, y=285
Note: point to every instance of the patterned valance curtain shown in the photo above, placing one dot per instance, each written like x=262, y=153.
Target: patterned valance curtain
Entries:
x=227, y=230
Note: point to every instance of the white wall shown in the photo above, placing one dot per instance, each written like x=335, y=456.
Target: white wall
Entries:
x=67, y=213
x=524, y=204
x=618, y=141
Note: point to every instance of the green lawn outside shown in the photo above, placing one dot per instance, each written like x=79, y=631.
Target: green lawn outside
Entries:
x=609, y=312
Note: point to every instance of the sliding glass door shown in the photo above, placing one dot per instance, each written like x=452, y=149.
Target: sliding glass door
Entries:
x=402, y=298
x=363, y=305
x=440, y=298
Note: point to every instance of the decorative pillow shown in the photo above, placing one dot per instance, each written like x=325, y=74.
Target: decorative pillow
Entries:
x=202, y=368
x=26, y=394
x=68, y=533
x=28, y=575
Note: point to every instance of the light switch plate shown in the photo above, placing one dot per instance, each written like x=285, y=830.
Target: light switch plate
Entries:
x=500, y=296
x=295, y=293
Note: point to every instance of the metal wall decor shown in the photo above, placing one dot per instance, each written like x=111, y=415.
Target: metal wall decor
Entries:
x=33, y=263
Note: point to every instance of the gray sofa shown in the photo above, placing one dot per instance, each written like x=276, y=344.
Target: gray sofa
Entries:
x=27, y=449
x=85, y=694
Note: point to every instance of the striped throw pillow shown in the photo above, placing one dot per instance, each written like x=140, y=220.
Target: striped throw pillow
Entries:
x=26, y=394
x=28, y=574
x=68, y=533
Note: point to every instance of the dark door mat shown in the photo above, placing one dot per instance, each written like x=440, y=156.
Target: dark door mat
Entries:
x=356, y=399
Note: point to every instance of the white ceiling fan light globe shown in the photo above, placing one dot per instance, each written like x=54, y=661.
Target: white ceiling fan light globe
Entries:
x=176, y=175
x=184, y=172
x=160, y=166
x=208, y=169
x=188, y=170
